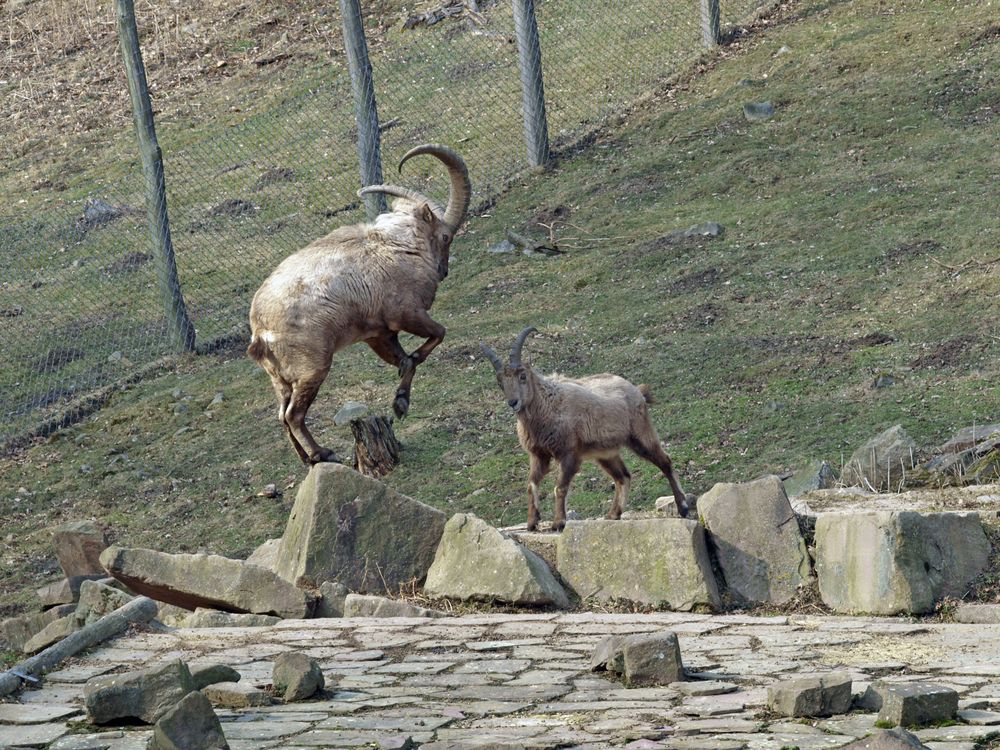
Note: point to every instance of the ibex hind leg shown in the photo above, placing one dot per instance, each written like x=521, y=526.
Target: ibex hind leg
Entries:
x=303, y=394
x=283, y=390
x=617, y=470
x=649, y=448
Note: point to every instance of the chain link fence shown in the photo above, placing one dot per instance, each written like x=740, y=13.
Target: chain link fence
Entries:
x=80, y=305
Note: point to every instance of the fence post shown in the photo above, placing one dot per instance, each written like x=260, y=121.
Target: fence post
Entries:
x=529, y=51
x=710, y=29
x=365, y=112
x=179, y=325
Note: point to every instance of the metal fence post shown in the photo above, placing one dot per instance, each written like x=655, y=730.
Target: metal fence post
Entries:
x=529, y=51
x=179, y=325
x=710, y=29
x=365, y=112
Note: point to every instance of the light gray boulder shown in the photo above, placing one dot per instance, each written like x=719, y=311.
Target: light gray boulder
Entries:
x=815, y=695
x=98, y=599
x=53, y=632
x=210, y=674
x=145, y=695
x=641, y=660
x=236, y=695
x=353, y=529
x=882, y=462
x=191, y=724
x=911, y=703
x=474, y=561
x=296, y=676
x=819, y=475
x=979, y=614
x=66, y=590
x=16, y=631
x=208, y=581
x=887, y=739
x=369, y=605
x=266, y=554
x=891, y=562
x=757, y=541
x=658, y=561
x=78, y=547
x=330, y=603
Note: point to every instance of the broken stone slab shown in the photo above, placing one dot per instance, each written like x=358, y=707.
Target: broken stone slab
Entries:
x=887, y=739
x=366, y=605
x=979, y=717
x=296, y=676
x=658, y=561
x=757, y=540
x=213, y=618
x=236, y=695
x=78, y=547
x=968, y=437
x=330, y=603
x=16, y=631
x=191, y=724
x=266, y=554
x=53, y=632
x=20, y=714
x=978, y=614
x=96, y=600
x=210, y=581
x=891, y=562
x=210, y=674
x=814, y=696
x=65, y=591
x=353, y=529
x=643, y=659
x=608, y=655
x=474, y=561
x=145, y=695
x=819, y=475
x=883, y=462
x=912, y=703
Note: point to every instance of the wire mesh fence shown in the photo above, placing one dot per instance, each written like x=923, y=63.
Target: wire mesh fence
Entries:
x=80, y=306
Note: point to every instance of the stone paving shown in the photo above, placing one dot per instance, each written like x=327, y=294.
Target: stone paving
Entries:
x=523, y=681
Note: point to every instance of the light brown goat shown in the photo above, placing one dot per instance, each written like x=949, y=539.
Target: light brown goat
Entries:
x=365, y=283
x=569, y=420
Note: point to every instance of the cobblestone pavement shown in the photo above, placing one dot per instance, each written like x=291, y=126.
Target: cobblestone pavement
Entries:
x=513, y=681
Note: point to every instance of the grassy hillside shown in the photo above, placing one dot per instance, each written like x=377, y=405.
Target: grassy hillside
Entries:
x=860, y=240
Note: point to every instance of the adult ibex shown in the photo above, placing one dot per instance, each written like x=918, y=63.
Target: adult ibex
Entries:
x=365, y=283
x=570, y=419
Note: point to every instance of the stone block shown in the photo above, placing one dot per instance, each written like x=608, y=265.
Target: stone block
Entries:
x=330, y=603
x=891, y=562
x=191, y=724
x=662, y=562
x=213, y=618
x=65, y=591
x=474, y=561
x=16, y=631
x=882, y=463
x=353, y=529
x=817, y=695
x=915, y=703
x=296, y=676
x=209, y=581
x=757, y=541
x=652, y=659
x=52, y=633
x=210, y=674
x=817, y=476
x=266, y=555
x=145, y=695
x=887, y=739
x=98, y=599
x=236, y=695
x=78, y=547
x=978, y=614
x=367, y=605
x=608, y=655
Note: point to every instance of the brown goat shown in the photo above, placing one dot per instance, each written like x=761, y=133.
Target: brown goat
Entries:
x=365, y=283
x=569, y=420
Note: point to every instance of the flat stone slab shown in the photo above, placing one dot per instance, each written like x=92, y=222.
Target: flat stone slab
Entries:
x=16, y=713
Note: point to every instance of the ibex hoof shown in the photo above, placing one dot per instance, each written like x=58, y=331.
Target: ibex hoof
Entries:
x=558, y=525
x=401, y=406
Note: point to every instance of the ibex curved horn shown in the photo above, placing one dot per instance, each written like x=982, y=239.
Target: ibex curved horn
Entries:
x=492, y=356
x=402, y=192
x=460, y=194
x=515, y=352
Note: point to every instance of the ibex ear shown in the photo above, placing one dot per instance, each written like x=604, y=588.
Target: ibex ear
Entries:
x=427, y=214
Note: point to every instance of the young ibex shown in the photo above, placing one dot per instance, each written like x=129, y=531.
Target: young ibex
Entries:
x=365, y=283
x=569, y=420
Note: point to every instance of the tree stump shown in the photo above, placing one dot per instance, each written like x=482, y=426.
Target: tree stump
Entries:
x=376, y=450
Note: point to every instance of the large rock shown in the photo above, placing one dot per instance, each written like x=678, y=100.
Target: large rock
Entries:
x=213, y=618
x=98, y=599
x=145, y=695
x=757, y=541
x=369, y=605
x=659, y=561
x=891, y=562
x=887, y=739
x=912, y=703
x=236, y=695
x=189, y=725
x=882, y=462
x=78, y=546
x=332, y=597
x=53, y=632
x=350, y=528
x=208, y=581
x=65, y=591
x=968, y=437
x=266, y=554
x=296, y=676
x=641, y=659
x=210, y=674
x=474, y=561
x=817, y=476
x=817, y=695
x=16, y=631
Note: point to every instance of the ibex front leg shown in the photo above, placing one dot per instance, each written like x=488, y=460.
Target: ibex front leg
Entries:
x=539, y=468
x=419, y=324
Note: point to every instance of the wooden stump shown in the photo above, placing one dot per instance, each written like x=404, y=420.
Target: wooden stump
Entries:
x=376, y=450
